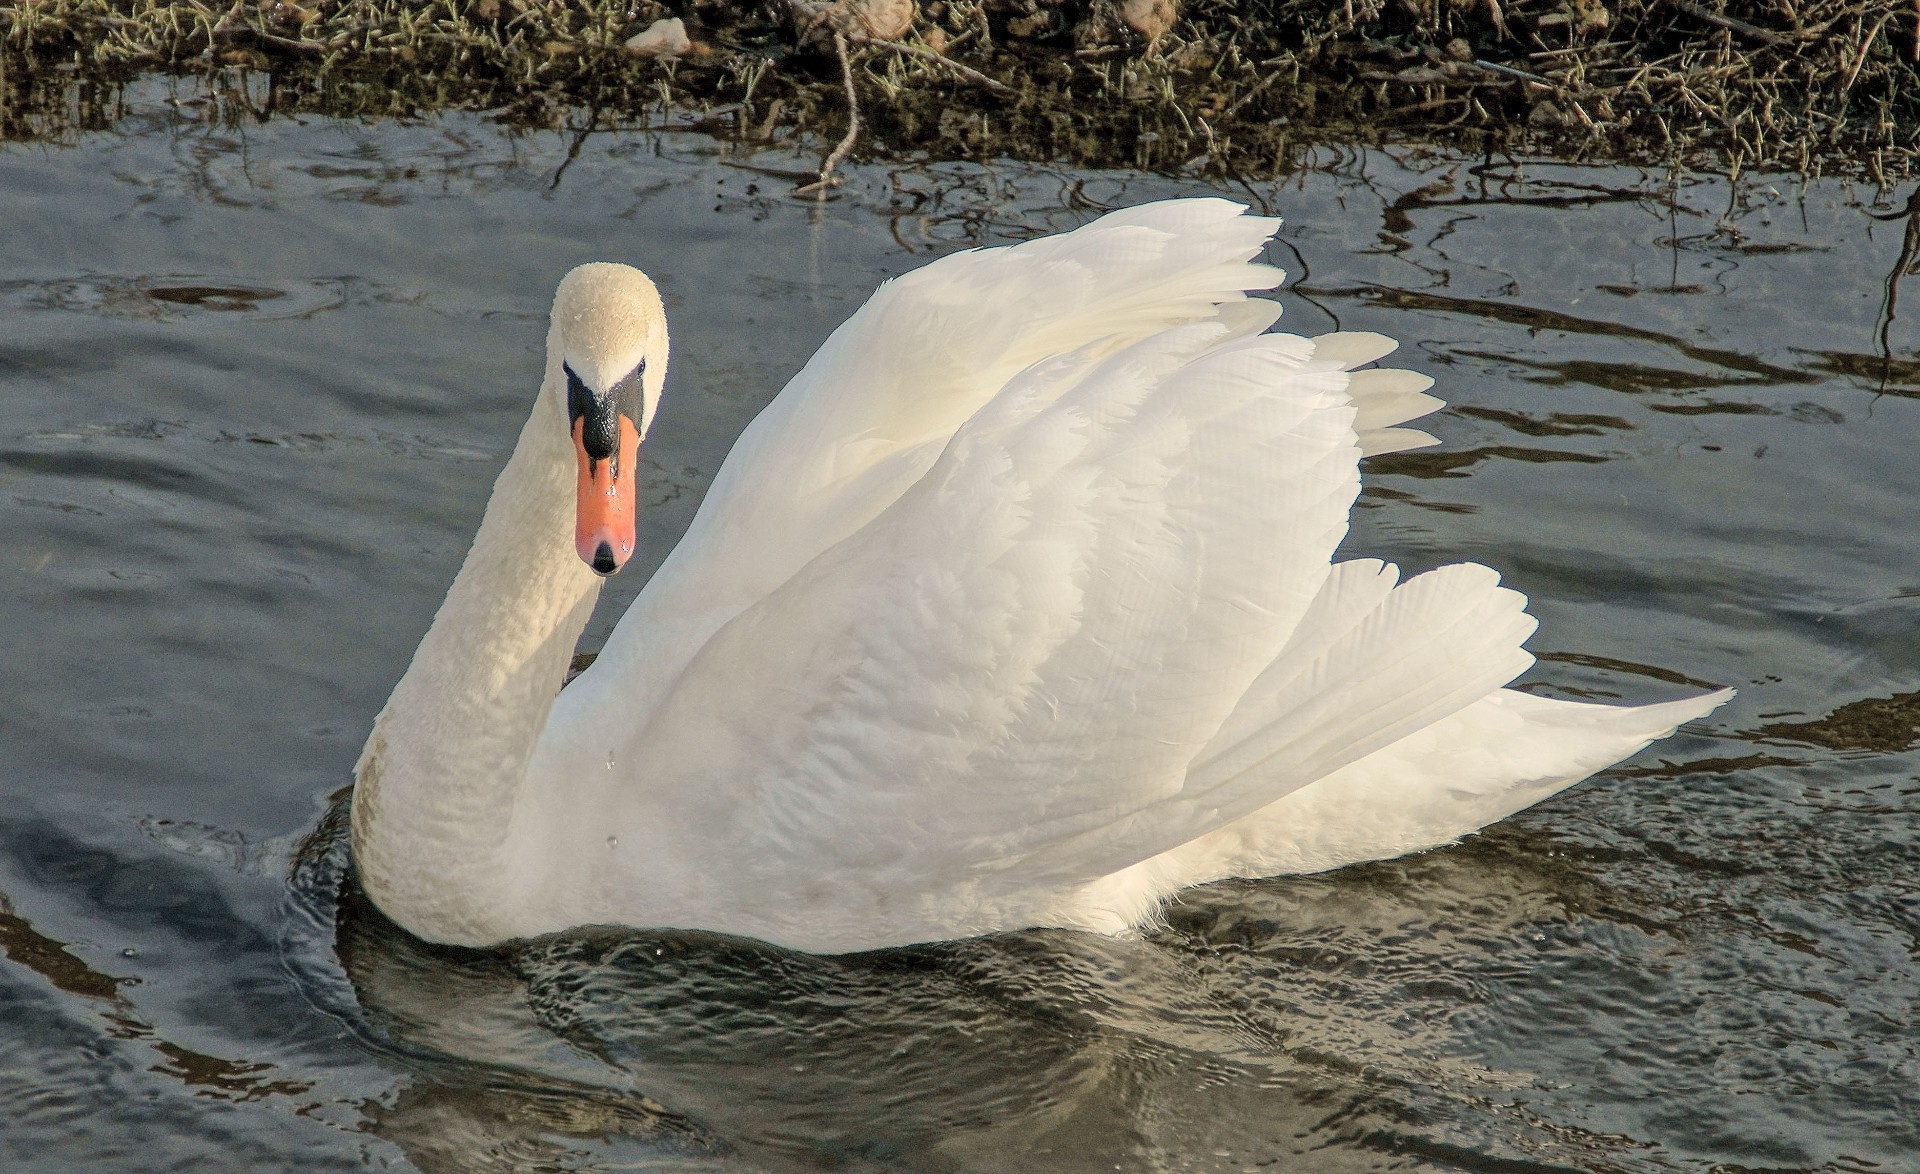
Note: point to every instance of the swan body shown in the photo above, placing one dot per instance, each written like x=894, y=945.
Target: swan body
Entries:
x=1016, y=607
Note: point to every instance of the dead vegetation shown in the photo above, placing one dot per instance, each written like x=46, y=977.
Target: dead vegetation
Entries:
x=1232, y=86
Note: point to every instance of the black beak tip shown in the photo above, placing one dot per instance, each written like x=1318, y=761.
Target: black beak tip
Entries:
x=603, y=559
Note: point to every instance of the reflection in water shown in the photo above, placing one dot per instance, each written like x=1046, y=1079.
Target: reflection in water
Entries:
x=175, y=297
x=1431, y=464
x=1903, y=266
x=213, y=297
x=1269, y=1019
x=1537, y=318
x=1553, y=424
x=1372, y=497
x=1887, y=725
x=1326, y=1019
x=207, y=1076
x=1614, y=664
x=1895, y=376
x=50, y=960
x=1715, y=408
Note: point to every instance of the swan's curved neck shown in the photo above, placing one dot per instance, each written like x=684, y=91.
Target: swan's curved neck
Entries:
x=437, y=784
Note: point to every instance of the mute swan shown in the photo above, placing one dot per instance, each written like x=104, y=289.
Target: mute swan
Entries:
x=1015, y=608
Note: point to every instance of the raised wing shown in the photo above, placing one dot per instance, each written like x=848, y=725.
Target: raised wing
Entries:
x=869, y=414
x=999, y=684
x=973, y=598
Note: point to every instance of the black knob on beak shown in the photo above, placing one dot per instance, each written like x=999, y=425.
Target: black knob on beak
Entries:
x=603, y=559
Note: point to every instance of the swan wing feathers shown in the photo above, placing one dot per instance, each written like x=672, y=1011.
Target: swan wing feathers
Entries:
x=1381, y=398
x=930, y=347
x=1004, y=677
x=872, y=410
x=1370, y=663
x=1023, y=589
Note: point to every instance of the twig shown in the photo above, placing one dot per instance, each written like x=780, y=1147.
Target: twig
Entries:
x=226, y=20
x=1516, y=74
x=813, y=15
x=1498, y=18
x=1728, y=23
x=818, y=188
x=1866, y=47
x=289, y=43
x=1890, y=300
x=218, y=28
x=1255, y=90
x=972, y=75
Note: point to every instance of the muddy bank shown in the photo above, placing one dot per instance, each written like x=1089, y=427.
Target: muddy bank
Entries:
x=1821, y=86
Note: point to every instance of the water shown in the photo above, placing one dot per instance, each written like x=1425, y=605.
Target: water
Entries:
x=257, y=382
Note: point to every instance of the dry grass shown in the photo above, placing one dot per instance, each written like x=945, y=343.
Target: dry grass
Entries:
x=1236, y=86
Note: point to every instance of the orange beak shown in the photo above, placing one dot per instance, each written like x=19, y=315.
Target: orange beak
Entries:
x=603, y=530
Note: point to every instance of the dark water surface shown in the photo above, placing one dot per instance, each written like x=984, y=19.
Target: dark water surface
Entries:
x=255, y=385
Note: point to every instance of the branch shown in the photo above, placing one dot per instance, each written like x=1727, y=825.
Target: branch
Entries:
x=818, y=188
x=810, y=15
x=1728, y=23
x=972, y=75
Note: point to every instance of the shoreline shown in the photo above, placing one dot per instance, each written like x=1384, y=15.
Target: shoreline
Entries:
x=1827, y=87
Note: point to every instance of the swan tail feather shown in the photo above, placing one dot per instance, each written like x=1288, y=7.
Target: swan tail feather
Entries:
x=1500, y=755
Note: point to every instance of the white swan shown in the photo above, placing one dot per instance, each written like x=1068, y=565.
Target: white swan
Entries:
x=1015, y=608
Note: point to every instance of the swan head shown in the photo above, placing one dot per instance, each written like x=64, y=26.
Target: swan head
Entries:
x=607, y=356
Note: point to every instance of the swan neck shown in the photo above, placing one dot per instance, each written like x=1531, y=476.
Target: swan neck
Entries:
x=446, y=764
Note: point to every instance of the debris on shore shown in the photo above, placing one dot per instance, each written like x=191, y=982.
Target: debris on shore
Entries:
x=1232, y=86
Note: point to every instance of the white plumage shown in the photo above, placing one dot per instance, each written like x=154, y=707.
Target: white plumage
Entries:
x=1016, y=607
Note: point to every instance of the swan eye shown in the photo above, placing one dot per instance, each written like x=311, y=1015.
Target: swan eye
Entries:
x=579, y=399
x=629, y=395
